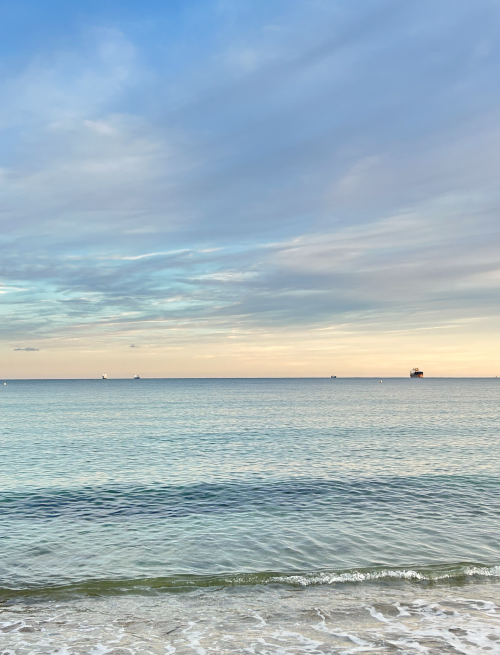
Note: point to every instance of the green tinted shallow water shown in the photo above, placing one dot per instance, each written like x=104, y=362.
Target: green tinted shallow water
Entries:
x=158, y=479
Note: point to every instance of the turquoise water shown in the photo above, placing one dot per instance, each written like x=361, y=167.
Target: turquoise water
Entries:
x=120, y=490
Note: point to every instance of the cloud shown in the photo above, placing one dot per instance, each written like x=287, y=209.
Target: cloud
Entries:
x=30, y=350
x=68, y=85
x=342, y=167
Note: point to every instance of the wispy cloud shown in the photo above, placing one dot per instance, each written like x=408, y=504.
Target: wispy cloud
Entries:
x=300, y=167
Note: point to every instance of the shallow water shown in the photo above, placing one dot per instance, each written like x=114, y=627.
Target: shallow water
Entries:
x=283, y=495
x=352, y=619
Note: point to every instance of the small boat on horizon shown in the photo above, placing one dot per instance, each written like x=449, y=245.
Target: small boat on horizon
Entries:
x=416, y=373
x=137, y=377
x=333, y=377
x=104, y=376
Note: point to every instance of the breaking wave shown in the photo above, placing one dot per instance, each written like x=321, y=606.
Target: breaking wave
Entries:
x=453, y=574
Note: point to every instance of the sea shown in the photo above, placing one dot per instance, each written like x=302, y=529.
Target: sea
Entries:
x=259, y=516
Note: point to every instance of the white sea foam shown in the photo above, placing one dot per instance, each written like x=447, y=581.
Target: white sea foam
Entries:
x=379, y=618
x=381, y=574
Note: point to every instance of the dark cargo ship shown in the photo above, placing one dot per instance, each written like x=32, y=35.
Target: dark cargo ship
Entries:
x=415, y=373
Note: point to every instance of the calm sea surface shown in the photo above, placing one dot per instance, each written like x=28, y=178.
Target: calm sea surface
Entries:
x=253, y=516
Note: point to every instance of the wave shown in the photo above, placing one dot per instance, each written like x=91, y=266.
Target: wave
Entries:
x=454, y=574
x=364, y=494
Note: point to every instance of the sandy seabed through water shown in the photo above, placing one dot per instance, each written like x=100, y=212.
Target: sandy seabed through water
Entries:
x=265, y=620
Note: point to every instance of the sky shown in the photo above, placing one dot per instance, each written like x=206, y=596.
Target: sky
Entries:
x=220, y=188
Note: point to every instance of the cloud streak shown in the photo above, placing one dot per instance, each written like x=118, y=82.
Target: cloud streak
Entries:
x=297, y=167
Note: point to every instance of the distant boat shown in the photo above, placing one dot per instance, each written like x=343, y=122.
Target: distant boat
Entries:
x=415, y=373
x=104, y=376
x=137, y=377
x=333, y=377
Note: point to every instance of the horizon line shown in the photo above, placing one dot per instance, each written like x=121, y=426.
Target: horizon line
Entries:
x=305, y=377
